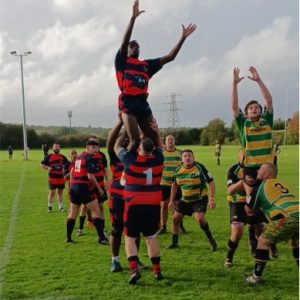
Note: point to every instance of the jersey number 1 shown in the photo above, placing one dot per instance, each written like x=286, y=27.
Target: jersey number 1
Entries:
x=148, y=173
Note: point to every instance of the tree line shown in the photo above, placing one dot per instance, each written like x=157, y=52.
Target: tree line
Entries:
x=215, y=130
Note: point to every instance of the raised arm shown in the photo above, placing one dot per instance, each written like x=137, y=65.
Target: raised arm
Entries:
x=234, y=95
x=157, y=140
x=135, y=13
x=186, y=31
x=264, y=90
x=113, y=135
x=119, y=143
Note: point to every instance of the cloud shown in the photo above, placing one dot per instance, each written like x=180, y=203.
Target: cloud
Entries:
x=87, y=37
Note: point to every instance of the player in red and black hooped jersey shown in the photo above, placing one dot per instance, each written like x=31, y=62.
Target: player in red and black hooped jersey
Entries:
x=142, y=193
x=116, y=199
x=133, y=76
x=54, y=163
x=83, y=181
x=68, y=168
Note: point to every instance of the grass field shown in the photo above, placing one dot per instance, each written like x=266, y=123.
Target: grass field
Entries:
x=35, y=262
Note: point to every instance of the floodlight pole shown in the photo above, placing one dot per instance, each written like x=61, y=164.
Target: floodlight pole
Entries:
x=70, y=113
x=15, y=53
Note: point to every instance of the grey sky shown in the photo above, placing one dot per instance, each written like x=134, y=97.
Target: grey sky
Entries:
x=74, y=42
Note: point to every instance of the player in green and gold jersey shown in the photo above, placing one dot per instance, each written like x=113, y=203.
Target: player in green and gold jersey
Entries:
x=192, y=178
x=281, y=208
x=172, y=158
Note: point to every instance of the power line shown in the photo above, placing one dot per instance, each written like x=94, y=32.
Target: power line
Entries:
x=173, y=116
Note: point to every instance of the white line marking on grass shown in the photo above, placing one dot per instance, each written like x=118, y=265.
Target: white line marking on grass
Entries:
x=5, y=251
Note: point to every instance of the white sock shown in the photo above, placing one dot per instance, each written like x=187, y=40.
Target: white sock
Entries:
x=115, y=258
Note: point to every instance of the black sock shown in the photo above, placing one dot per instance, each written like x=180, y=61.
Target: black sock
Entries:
x=70, y=227
x=296, y=255
x=205, y=228
x=251, y=230
x=232, y=247
x=81, y=222
x=156, y=264
x=175, y=239
x=261, y=257
x=99, y=227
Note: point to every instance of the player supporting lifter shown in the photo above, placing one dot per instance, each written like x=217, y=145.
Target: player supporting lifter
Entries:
x=282, y=210
x=133, y=76
x=116, y=199
x=142, y=193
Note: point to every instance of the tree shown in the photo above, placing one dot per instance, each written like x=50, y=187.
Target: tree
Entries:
x=215, y=130
x=292, y=136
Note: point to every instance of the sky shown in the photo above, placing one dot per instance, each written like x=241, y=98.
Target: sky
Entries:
x=74, y=43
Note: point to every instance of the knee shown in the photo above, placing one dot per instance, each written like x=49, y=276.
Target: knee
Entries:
x=133, y=144
x=116, y=231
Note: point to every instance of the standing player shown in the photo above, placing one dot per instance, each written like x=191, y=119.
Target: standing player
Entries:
x=255, y=126
x=192, y=178
x=54, y=164
x=172, y=159
x=133, y=76
x=282, y=210
x=142, y=193
x=218, y=152
x=83, y=181
x=10, y=151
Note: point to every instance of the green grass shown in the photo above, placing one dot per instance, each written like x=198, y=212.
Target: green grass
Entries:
x=35, y=263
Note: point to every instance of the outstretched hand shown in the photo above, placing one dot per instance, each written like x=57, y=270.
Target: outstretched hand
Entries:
x=255, y=76
x=236, y=75
x=186, y=31
x=135, y=10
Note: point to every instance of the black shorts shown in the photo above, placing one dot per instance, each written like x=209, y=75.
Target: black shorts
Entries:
x=116, y=211
x=56, y=186
x=135, y=105
x=141, y=219
x=188, y=209
x=166, y=193
x=80, y=194
x=237, y=212
x=260, y=217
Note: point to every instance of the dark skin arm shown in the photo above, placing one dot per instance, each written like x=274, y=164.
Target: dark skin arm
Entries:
x=113, y=135
x=186, y=31
x=119, y=143
x=135, y=13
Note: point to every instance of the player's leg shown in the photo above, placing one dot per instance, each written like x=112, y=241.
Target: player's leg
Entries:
x=51, y=195
x=60, y=199
x=238, y=219
x=131, y=126
x=94, y=207
x=74, y=208
x=116, y=209
x=177, y=217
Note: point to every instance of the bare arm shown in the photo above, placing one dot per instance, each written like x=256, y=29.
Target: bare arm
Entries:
x=94, y=182
x=135, y=13
x=174, y=189
x=233, y=188
x=157, y=141
x=113, y=135
x=211, y=197
x=119, y=143
x=186, y=31
x=234, y=95
x=264, y=90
